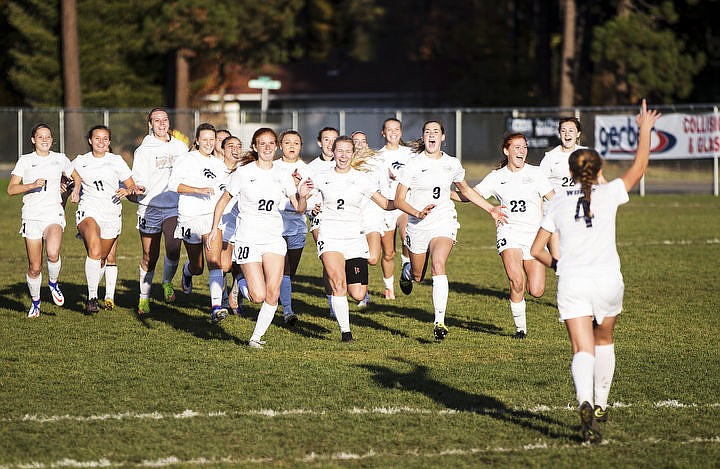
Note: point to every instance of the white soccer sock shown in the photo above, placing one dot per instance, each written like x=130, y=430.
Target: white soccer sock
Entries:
x=146, y=279
x=604, y=371
x=440, y=290
x=404, y=259
x=54, y=270
x=286, y=295
x=111, y=274
x=389, y=282
x=243, y=289
x=34, y=286
x=518, y=313
x=342, y=312
x=169, y=269
x=582, y=368
x=216, y=286
x=265, y=317
x=330, y=304
x=93, y=273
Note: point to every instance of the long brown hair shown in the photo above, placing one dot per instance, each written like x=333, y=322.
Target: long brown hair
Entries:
x=585, y=165
x=252, y=154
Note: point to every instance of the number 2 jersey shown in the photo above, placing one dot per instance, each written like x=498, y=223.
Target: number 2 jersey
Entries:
x=43, y=202
x=101, y=178
x=521, y=193
x=429, y=181
x=261, y=194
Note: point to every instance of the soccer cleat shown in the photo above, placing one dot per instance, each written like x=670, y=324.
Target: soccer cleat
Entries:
x=92, y=306
x=365, y=301
x=290, y=319
x=109, y=304
x=347, y=336
x=144, y=306
x=217, y=314
x=590, y=431
x=57, y=295
x=169, y=291
x=186, y=283
x=256, y=344
x=406, y=279
x=34, y=309
x=389, y=294
x=601, y=415
x=519, y=335
x=440, y=330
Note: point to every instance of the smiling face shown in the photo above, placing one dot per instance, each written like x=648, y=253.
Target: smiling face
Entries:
x=42, y=141
x=232, y=151
x=516, y=152
x=327, y=138
x=265, y=146
x=206, y=142
x=99, y=142
x=433, y=136
x=343, y=153
x=392, y=133
x=290, y=146
x=220, y=135
x=569, y=135
x=360, y=140
x=160, y=124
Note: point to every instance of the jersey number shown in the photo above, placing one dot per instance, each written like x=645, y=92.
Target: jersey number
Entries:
x=265, y=205
x=141, y=222
x=341, y=204
x=517, y=206
x=186, y=233
x=567, y=182
x=584, y=205
x=242, y=252
x=98, y=185
x=436, y=192
x=501, y=242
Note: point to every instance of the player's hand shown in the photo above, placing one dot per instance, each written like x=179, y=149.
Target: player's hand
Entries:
x=305, y=188
x=316, y=210
x=424, y=212
x=647, y=117
x=499, y=215
x=39, y=183
x=75, y=195
x=139, y=190
x=206, y=191
x=210, y=238
x=296, y=176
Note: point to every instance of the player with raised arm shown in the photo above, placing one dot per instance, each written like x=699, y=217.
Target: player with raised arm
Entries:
x=37, y=177
x=590, y=284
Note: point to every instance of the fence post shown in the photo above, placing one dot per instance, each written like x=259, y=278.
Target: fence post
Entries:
x=61, y=120
x=715, y=157
x=106, y=118
x=341, y=118
x=458, y=134
x=20, y=131
x=295, y=120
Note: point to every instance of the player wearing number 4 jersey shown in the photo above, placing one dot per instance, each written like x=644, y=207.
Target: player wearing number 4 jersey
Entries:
x=423, y=193
x=590, y=284
x=99, y=213
x=261, y=190
x=37, y=176
x=521, y=188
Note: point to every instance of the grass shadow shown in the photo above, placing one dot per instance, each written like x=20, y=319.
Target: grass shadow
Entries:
x=419, y=380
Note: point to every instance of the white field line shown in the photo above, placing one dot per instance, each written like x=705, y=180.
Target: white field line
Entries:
x=270, y=413
x=335, y=457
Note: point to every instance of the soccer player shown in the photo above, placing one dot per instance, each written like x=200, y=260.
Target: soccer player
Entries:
x=590, y=284
x=423, y=192
x=341, y=244
x=158, y=208
x=396, y=155
x=99, y=212
x=521, y=188
x=261, y=189
x=294, y=225
x=198, y=179
x=37, y=176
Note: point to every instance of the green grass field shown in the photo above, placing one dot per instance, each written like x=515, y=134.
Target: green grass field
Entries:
x=172, y=389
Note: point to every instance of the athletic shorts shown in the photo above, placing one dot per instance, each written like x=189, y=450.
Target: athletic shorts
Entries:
x=356, y=271
x=373, y=219
x=191, y=230
x=390, y=219
x=150, y=219
x=508, y=239
x=296, y=241
x=246, y=253
x=598, y=297
x=109, y=228
x=418, y=240
x=350, y=248
x=35, y=229
x=227, y=225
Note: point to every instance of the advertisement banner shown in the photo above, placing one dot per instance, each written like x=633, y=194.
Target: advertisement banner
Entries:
x=675, y=136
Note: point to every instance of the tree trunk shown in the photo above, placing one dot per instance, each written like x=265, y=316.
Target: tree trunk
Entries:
x=542, y=52
x=567, y=87
x=183, y=120
x=74, y=132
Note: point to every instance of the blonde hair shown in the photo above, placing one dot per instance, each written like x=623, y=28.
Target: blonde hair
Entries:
x=361, y=159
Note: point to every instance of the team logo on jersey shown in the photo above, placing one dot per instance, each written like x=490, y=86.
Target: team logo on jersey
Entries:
x=527, y=180
x=397, y=165
x=209, y=174
x=222, y=187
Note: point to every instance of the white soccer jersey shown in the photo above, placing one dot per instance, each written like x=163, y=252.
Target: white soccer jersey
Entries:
x=587, y=245
x=196, y=170
x=293, y=222
x=319, y=165
x=43, y=202
x=429, y=181
x=344, y=198
x=521, y=192
x=101, y=178
x=261, y=194
x=394, y=162
x=556, y=168
x=152, y=165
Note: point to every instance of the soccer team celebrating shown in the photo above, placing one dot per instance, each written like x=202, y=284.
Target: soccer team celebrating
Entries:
x=244, y=214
